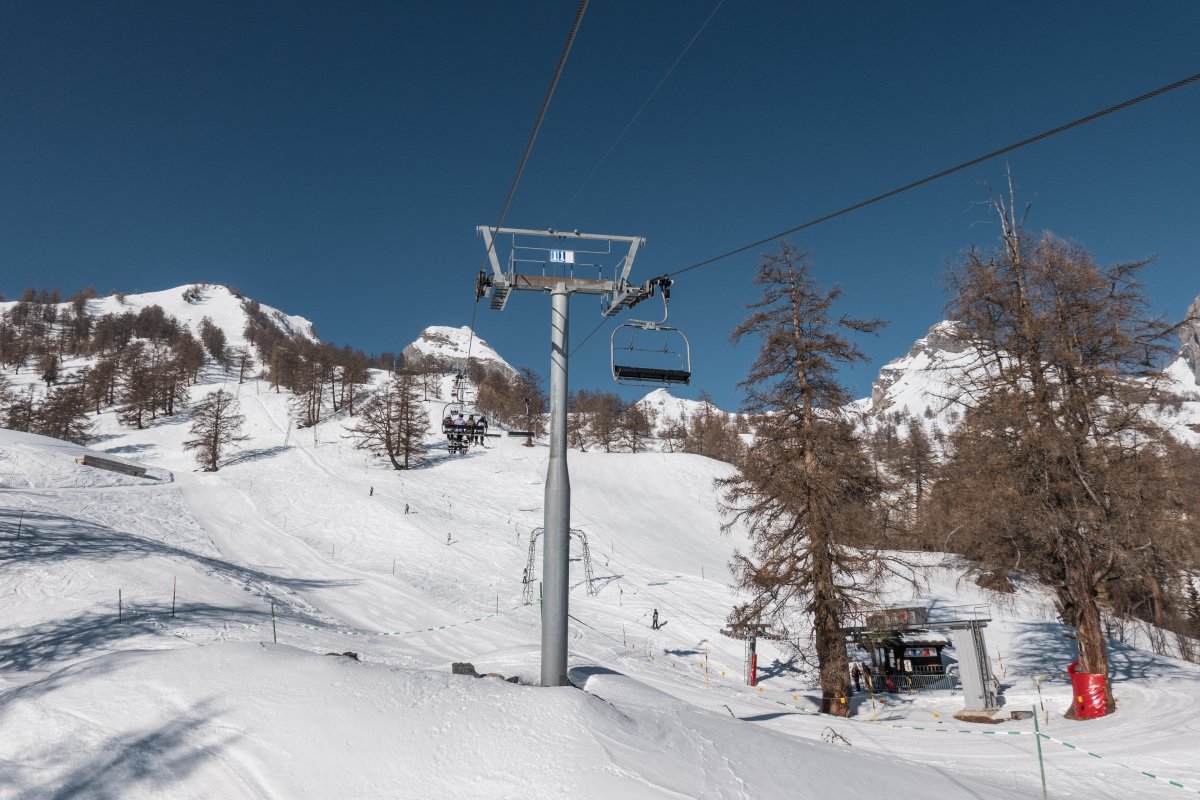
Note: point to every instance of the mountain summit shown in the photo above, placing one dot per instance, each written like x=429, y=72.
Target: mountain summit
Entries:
x=454, y=346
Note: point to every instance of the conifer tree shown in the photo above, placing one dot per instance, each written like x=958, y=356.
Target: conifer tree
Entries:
x=100, y=385
x=48, y=369
x=394, y=422
x=216, y=427
x=6, y=397
x=604, y=420
x=355, y=374
x=711, y=433
x=637, y=426
x=245, y=363
x=213, y=339
x=62, y=414
x=674, y=436
x=579, y=420
x=806, y=488
x=20, y=413
x=137, y=394
x=1058, y=467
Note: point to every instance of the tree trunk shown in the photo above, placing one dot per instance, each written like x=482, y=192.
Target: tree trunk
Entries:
x=1089, y=632
x=828, y=638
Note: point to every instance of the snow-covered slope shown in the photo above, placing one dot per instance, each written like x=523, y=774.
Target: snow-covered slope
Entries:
x=190, y=304
x=926, y=377
x=1189, y=340
x=666, y=409
x=167, y=637
x=139, y=656
x=669, y=409
x=927, y=383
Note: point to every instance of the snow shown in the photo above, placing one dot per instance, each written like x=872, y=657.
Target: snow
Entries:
x=214, y=301
x=926, y=384
x=105, y=691
x=670, y=409
x=667, y=409
x=454, y=345
x=926, y=379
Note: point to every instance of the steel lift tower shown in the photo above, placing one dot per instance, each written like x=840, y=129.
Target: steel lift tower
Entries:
x=552, y=262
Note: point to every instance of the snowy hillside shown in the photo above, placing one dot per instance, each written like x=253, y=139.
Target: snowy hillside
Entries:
x=453, y=345
x=669, y=409
x=190, y=304
x=185, y=634
x=926, y=376
x=111, y=685
x=924, y=383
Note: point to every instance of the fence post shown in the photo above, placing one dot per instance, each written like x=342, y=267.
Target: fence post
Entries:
x=1037, y=734
x=274, y=634
x=20, y=523
x=173, y=581
x=120, y=616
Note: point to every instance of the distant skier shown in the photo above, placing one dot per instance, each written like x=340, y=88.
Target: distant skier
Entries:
x=447, y=538
x=372, y=493
x=406, y=508
x=654, y=620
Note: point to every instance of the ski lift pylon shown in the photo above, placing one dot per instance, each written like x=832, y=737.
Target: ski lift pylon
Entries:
x=638, y=363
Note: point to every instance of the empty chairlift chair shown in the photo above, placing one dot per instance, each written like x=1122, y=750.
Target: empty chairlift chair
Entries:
x=651, y=353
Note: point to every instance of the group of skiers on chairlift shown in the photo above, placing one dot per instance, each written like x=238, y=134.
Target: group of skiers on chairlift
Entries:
x=463, y=432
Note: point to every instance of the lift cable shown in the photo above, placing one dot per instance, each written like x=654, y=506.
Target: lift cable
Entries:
x=685, y=123
x=512, y=190
x=638, y=113
x=929, y=179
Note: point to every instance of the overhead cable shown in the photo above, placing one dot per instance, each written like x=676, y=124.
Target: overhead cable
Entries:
x=929, y=179
x=638, y=113
x=537, y=126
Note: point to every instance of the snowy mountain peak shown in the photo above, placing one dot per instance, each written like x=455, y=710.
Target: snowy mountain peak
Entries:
x=454, y=345
x=1189, y=340
x=190, y=304
x=669, y=409
x=923, y=377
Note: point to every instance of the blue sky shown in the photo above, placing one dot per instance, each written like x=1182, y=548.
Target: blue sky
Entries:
x=333, y=160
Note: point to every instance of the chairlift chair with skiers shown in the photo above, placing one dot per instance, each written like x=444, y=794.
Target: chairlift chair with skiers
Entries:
x=459, y=437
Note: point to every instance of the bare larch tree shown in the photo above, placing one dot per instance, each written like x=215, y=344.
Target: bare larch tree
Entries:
x=806, y=488
x=393, y=423
x=1057, y=468
x=216, y=426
